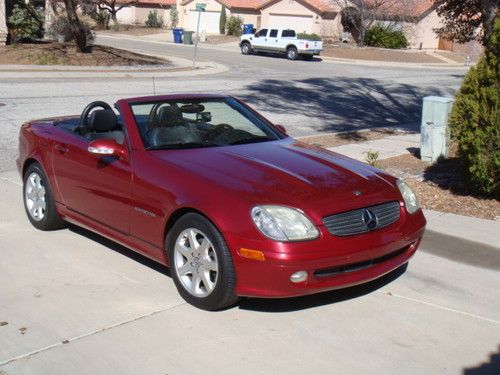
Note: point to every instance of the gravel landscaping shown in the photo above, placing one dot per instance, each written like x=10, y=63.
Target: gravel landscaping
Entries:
x=344, y=51
x=439, y=187
x=50, y=53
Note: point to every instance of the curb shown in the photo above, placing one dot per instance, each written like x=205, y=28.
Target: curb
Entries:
x=179, y=67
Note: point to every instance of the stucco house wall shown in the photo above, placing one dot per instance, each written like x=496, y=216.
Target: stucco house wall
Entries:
x=421, y=35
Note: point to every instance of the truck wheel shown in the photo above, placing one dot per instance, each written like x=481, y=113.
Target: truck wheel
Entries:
x=246, y=49
x=291, y=53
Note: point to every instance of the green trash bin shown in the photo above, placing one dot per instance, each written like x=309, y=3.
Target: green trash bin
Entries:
x=188, y=37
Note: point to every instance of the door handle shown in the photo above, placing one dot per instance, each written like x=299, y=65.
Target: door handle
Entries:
x=61, y=148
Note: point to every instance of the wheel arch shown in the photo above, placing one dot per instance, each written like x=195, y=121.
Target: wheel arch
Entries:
x=29, y=161
x=180, y=212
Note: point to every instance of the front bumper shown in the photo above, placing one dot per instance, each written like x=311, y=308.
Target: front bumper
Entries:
x=331, y=262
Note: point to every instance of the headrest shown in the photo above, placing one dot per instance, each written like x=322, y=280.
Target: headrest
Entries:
x=102, y=120
x=170, y=116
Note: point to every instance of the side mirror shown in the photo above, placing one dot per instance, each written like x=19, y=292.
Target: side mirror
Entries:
x=106, y=147
x=281, y=128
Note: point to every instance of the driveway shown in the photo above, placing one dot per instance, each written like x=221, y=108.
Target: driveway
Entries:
x=76, y=303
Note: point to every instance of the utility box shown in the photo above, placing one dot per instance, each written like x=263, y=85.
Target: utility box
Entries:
x=434, y=132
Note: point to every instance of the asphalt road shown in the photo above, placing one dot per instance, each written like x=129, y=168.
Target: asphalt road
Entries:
x=75, y=303
x=306, y=97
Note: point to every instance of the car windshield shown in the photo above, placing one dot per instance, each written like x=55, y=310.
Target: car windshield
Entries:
x=196, y=123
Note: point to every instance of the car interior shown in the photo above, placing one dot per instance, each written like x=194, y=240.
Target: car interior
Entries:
x=167, y=124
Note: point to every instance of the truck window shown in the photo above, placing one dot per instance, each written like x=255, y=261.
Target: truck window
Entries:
x=288, y=33
x=273, y=33
x=262, y=33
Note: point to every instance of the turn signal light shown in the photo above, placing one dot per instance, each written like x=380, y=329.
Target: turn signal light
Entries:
x=252, y=254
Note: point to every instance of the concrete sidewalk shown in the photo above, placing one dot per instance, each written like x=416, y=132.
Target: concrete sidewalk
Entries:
x=178, y=67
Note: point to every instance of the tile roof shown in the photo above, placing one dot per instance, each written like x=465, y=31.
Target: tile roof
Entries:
x=405, y=8
x=156, y=2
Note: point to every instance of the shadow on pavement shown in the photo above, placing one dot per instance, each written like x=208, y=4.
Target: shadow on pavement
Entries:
x=321, y=299
x=343, y=103
x=120, y=249
x=492, y=367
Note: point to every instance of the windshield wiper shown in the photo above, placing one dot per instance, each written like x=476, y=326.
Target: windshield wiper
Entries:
x=255, y=139
x=180, y=145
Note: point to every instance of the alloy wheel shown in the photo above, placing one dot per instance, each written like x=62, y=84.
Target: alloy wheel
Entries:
x=35, y=196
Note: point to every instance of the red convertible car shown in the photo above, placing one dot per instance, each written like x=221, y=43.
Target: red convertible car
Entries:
x=231, y=203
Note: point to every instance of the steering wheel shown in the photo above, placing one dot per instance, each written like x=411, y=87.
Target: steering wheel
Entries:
x=219, y=129
x=84, y=118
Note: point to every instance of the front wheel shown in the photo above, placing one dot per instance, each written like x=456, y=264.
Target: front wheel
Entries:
x=39, y=201
x=246, y=49
x=201, y=264
x=291, y=53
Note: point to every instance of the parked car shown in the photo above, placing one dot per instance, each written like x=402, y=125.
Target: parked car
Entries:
x=280, y=41
x=209, y=187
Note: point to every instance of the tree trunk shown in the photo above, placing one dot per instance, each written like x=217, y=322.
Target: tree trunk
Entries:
x=113, y=18
x=76, y=27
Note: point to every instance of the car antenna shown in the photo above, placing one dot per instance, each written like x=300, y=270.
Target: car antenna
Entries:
x=154, y=86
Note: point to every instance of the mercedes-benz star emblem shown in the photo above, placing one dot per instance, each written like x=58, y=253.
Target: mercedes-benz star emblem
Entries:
x=370, y=219
x=357, y=193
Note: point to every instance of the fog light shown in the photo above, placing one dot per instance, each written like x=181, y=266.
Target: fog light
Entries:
x=299, y=277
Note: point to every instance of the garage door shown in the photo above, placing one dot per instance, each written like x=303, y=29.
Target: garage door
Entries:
x=209, y=21
x=298, y=23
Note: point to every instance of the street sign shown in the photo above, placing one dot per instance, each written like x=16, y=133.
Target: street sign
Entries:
x=200, y=7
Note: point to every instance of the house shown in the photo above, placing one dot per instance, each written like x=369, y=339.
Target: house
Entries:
x=321, y=17
x=248, y=10
x=138, y=13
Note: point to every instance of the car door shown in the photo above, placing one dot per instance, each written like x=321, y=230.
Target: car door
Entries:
x=260, y=40
x=272, y=40
x=94, y=186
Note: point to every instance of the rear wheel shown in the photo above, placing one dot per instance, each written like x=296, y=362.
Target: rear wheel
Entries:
x=291, y=53
x=246, y=49
x=39, y=201
x=201, y=264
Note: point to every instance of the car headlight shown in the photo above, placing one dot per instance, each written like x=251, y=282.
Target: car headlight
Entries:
x=409, y=197
x=283, y=223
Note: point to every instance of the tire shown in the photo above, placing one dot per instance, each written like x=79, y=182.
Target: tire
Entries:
x=291, y=53
x=205, y=276
x=39, y=201
x=246, y=48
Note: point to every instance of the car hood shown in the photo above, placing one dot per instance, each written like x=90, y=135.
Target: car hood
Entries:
x=290, y=173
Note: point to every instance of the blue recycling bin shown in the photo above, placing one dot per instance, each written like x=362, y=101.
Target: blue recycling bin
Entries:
x=248, y=28
x=178, y=35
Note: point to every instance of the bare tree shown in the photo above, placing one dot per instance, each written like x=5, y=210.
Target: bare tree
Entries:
x=359, y=15
x=466, y=20
x=112, y=7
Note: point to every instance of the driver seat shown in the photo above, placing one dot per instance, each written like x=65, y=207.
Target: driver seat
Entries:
x=170, y=128
x=103, y=124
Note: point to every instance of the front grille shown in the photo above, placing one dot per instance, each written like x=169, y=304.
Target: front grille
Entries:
x=359, y=266
x=352, y=222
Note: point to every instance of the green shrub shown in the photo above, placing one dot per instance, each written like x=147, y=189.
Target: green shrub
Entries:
x=475, y=120
x=222, y=21
x=25, y=23
x=234, y=25
x=313, y=37
x=60, y=27
x=101, y=19
x=154, y=21
x=385, y=37
x=174, y=16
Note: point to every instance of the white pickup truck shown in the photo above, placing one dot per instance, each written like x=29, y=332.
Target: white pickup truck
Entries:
x=280, y=41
